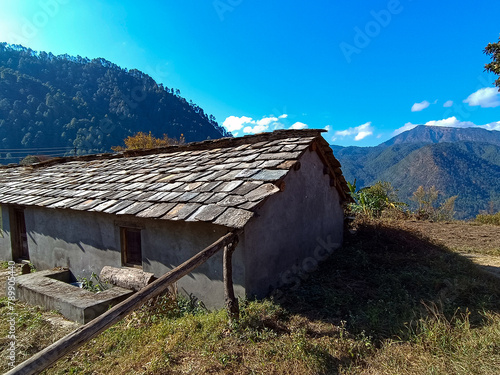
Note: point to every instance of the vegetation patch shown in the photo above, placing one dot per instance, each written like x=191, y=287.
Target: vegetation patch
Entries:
x=489, y=219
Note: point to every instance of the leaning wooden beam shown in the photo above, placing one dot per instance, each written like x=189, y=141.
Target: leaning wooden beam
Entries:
x=52, y=353
x=231, y=301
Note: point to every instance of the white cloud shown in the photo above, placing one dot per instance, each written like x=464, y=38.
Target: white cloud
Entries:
x=487, y=97
x=360, y=132
x=448, y=103
x=284, y=115
x=451, y=122
x=417, y=107
x=328, y=128
x=492, y=126
x=256, y=129
x=233, y=123
x=405, y=127
x=266, y=121
x=362, y=135
x=250, y=126
x=299, y=125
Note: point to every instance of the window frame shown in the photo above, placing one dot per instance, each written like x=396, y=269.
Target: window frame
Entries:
x=125, y=246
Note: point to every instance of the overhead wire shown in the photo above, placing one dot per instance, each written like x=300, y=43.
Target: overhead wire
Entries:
x=21, y=153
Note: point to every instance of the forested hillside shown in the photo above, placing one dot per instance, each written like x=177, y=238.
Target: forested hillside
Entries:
x=76, y=105
x=463, y=162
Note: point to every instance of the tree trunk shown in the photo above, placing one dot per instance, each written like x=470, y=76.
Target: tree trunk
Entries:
x=128, y=278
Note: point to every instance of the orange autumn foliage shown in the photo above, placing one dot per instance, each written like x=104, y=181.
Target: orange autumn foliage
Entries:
x=141, y=141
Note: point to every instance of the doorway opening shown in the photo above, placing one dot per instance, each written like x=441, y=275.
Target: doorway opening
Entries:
x=20, y=249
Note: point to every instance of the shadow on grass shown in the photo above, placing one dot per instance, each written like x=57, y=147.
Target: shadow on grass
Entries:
x=382, y=279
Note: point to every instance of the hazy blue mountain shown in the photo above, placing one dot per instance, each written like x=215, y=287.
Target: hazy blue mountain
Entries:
x=440, y=134
x=463, y=162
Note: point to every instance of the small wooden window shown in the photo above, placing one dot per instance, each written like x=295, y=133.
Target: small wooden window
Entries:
x=131, y=246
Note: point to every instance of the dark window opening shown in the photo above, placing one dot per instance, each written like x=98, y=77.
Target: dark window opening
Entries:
x=131, y=246
x=19, y=235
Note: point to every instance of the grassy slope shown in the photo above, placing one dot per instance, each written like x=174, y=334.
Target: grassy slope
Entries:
x=390, y=302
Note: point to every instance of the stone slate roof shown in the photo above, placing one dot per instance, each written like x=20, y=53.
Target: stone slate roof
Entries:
x=220, y=181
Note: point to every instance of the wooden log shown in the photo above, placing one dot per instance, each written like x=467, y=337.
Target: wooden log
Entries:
x=80, y=336
x=128, y=278
x=231, y=301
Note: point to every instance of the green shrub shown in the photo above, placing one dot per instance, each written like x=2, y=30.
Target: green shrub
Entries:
x=489, y=219
x=93, y=283
x=371, y=201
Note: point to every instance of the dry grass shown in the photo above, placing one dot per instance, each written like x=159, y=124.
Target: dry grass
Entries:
x=391, y=301
x=440, y=347
x=457, y=236
x=35, y=330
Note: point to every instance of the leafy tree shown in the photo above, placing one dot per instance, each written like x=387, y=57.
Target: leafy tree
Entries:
x=427, y=204
x=493, y=50
x=425, y=199
x=142, y=141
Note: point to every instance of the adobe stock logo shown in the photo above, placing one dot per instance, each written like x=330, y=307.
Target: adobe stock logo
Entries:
x=31, y=26
x=224, y=6
x=292, y=278
x=364, y=36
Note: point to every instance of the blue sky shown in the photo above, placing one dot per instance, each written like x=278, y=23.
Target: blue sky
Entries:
x=363, y=70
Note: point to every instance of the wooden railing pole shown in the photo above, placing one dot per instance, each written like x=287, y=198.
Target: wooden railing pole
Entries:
x=80, y=336
x=231, y=301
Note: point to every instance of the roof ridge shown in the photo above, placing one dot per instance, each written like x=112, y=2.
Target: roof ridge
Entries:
x=192, y=146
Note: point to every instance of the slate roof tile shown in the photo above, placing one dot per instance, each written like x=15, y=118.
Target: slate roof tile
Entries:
x=246, y=173
x=181, y=211
x=229, y=186
x=261, y=192
x=156, y=210
x=86, y=205
x=279, y=156
x=287, y=164
x=209, y=186
x=216, y=198
x=247, y=187
x=103, y=206
x=170, y=186
x=201, y=197
x=230, y=176
x=232, y=201
x=207, y=213
x=135, y=208
x=249, y=205
x=234, y=218
x=269, y=175
x=270, y=163
x=186, y=197
x=118, y=207
x=133, y=195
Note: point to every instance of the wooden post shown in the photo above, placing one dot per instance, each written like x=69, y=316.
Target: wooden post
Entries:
x=231, y=301
x=80, y=336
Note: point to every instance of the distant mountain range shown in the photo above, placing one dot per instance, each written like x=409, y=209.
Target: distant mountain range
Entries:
x=76, y=105
x=458, y=161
